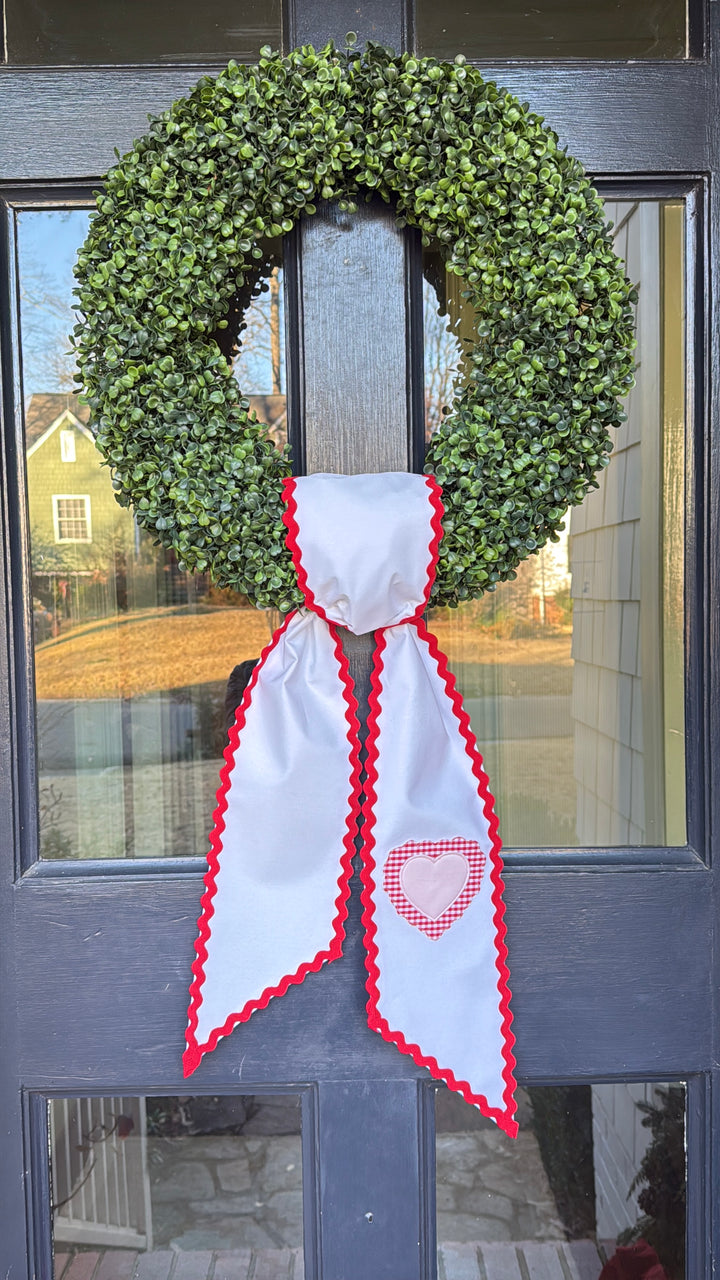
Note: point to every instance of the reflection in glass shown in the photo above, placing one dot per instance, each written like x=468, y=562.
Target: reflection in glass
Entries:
x=596, y=1171
x=148, y=1184
x=61, y=32
x=573, y=674
x=132, y=654
x=553, y=29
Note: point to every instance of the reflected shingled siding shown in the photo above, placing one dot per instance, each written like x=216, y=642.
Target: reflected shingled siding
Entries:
x=573, y=674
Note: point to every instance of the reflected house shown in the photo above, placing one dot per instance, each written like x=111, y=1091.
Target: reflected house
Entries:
x=81, y=538
x=89, y=558
x=128, y=741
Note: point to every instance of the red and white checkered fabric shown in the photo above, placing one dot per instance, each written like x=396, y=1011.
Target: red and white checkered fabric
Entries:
x=402, y=889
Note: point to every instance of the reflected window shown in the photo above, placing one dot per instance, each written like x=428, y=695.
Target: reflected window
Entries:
x=71, y=518
x=574, y=672
x=209, y=1187
x=597, y=1173
x=67, y=446
x=132, y=653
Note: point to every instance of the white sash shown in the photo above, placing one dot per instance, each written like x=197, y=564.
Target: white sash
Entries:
x=365, y=549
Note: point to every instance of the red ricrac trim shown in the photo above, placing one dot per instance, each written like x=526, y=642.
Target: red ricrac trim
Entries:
x=194, y=1051
x=438, y=511
x=503, y=1117
x=289, y=518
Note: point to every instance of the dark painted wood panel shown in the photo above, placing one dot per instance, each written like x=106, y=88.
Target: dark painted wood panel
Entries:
x=132, y=1014
x=703, y=1176
x=657, y=122
x=354, y=343
x=369, y=1227
x=355, y=367
x=73, y=120
x=609, y=977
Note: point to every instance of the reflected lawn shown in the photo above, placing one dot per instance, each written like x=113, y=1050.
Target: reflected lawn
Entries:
x=148, y=651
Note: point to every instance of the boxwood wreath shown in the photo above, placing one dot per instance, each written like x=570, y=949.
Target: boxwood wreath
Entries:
x=180, y=234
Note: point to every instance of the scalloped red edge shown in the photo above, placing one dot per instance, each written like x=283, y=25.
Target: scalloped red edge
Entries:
x=503, y=1117
x=289, y=518
x=194, y=1051
x=438, y=511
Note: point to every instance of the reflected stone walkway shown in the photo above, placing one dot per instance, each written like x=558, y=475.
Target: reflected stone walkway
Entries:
x=226, y=1191
x=229, y=1207
x=492, y=1189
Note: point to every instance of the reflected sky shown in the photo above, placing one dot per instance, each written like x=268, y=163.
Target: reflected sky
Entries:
x=48, y=242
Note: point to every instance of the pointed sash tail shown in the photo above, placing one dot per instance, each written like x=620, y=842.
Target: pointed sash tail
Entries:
x=289, y=804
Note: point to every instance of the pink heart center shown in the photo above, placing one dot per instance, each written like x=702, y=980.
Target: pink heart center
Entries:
x=433, y=884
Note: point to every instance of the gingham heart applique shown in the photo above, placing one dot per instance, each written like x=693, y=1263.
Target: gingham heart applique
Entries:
x=431, y=883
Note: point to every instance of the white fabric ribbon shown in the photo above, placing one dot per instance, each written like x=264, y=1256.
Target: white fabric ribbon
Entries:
x=365, y=549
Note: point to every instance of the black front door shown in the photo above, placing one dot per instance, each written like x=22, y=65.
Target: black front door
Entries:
x=599, y=744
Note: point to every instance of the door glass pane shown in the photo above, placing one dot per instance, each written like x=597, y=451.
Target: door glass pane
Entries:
x=62, y=32
x=553, y=29
x=132, y=654
x=575, y=671
x=597, y=1173
x=209, y=1186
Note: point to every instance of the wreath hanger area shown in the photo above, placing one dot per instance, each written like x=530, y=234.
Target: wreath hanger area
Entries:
x=181, y=230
